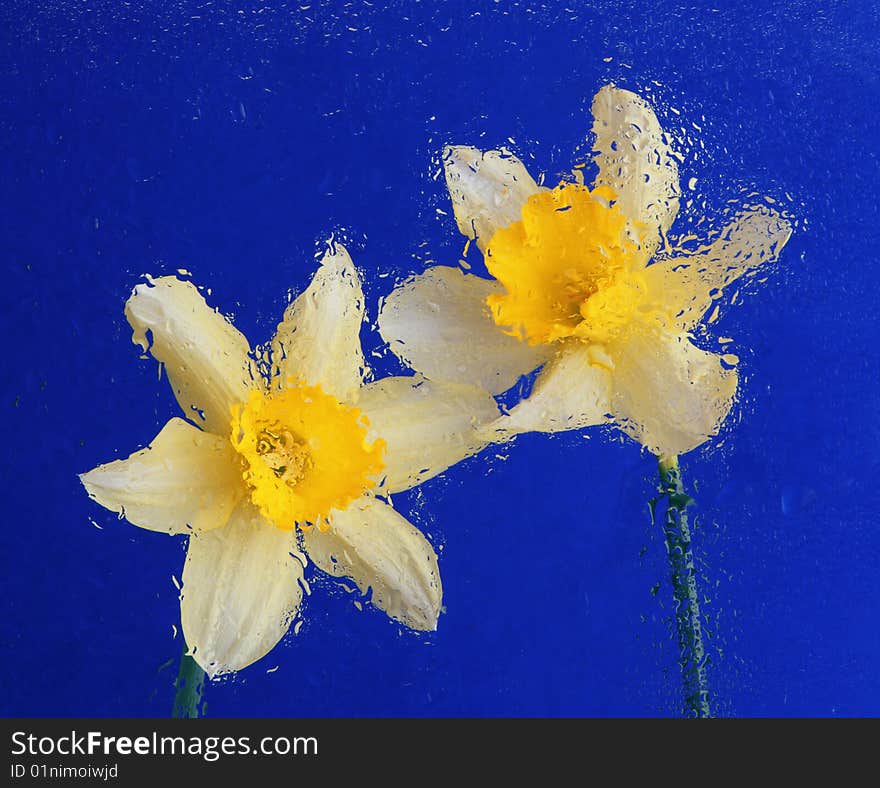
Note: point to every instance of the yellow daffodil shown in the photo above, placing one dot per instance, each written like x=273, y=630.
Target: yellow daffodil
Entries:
x=575, y=290
x=288, y=441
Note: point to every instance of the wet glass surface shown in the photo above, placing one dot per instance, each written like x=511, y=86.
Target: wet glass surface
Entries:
x=232, y=140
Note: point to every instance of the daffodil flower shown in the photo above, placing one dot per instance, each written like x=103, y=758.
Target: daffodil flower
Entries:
x=575, y=290
x=303, y=447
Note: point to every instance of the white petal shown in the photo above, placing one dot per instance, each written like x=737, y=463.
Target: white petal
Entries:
x=241, y=591
x=184, y=480
x=318, y=341
x=488, y=190
x=573, y=391
x=379, y=549
x=634, y=158
x=427, y=426
x=439, y=324
x=668, y=394
x=205, y=356
x=689, y=285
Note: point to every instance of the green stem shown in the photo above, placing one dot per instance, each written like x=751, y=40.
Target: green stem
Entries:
x=692, y=656
x=190, y=683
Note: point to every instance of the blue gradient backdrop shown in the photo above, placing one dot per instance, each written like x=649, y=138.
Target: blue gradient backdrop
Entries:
x=231, y=139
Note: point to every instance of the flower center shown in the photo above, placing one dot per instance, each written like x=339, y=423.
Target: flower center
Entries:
x=304, y=453
x=570, y=268
x=286, y=454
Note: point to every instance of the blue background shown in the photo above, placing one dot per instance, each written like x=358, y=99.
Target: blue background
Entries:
x=231, y=140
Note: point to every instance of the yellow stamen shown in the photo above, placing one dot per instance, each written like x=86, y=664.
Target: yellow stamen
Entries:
x=572, y=267
x=304, y=453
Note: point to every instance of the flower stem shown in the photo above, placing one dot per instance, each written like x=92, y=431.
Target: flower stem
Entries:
x=190, y=683
x=692, y=656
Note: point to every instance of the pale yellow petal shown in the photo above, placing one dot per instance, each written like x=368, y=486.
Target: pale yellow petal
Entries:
x=688, y=286
x=439, y=324
x=318, y=341
x=571, y=392
x=427, y=426
x=379, y=549
x=668, y=394
x=205, y=356
x=241, y=590
x=635, y=159
x=185, y=480
x=488, y=190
